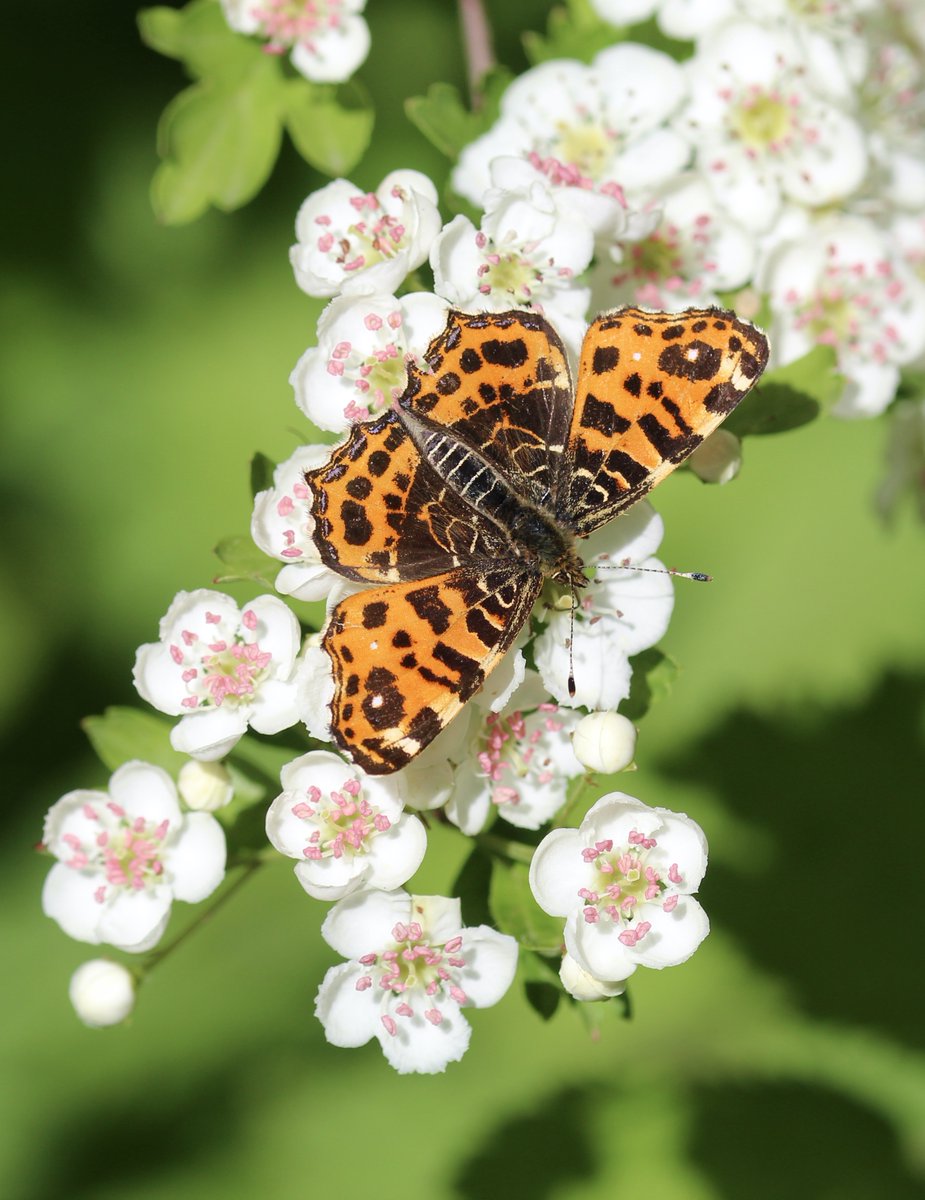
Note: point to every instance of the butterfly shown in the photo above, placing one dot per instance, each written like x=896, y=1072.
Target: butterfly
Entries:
x=479, y=484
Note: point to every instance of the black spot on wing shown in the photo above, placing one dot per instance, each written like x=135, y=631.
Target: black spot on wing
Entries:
x=357, y=527
x=605, y=359
x=500, y=353
x=633, y=384
x=694, y=360
x=602, y=417
x=429, y=607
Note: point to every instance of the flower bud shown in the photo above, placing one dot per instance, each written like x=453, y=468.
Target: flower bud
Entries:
x=605, y=742
x=578, y=983
x=718, y=459
x=205, y=786
x=102, y=992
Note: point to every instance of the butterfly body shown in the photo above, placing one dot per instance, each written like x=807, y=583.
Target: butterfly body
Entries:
x=480, y=483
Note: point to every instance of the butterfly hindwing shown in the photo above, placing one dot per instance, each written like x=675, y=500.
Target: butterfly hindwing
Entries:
x=406, y=657
x=651, y=386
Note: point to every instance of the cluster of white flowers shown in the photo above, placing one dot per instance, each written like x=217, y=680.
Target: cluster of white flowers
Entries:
x=326, y=40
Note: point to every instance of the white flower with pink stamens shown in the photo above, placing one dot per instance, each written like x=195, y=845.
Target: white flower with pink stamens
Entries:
x=125, y=855
x=346, y=828
x=624, y=882
x=359, y=243
x=523, y=763
x=764, y=126
x=526, y=254
x=693, y=251
x=281, y=525
x=413, y=967
x=845, y=285
x=360, y=364
x=622, y=611
x=892, y=99
x=221, y=669
x=592, y=132
x=326, y=39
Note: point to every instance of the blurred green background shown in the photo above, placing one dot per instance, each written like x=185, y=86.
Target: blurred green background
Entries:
x=142, y=367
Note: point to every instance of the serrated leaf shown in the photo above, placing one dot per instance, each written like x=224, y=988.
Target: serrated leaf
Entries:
x=330, y=125
x=262, y=470
x=201, y=38
x=654, y=673
x=162, y=30
x=123, y=734
x=220, y=142
x=444, y=119
x=573, y=31
x=516, y=912
x=789, y=396
x=472, y=886
x=244, y=561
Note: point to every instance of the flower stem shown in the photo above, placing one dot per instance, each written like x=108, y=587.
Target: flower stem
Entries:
x=480, y=55
x=249, y=869
x=503, y=847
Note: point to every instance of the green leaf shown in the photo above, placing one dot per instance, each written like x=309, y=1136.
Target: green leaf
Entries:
x=516, y=912
x=542, y=987
x=262, y=469
x=445, y=120
x=654, y=673
x=244, y=562
x=472, y=886
x=330, y=125
x=789, y=396
x=123, y=734
x=219, y=142
x=162, y=30
x=201, y=38
x=573, y=31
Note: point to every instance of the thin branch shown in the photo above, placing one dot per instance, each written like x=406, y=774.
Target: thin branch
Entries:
x=477, y=45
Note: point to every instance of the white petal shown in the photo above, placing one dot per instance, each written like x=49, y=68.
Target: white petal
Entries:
x=869, y=388
x=196, y=861
x=67, y=897
x=491, y=961
x=558, y=871
x=674, y=935
x=470, y=803
x=598, y=949
x=349, y=1017
x=335, y=54
x=146, y=791
x=275, y=705
x=157, y=679
x=643, y=86
x=363, y=924
x=396, y=854
x=135, y=921
x=209, y=734
x=331, y=879
x=682, y=841
x=421, y=1048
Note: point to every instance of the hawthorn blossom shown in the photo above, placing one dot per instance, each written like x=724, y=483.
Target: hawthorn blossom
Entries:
x=694, y=251
x=687, y=19
x=220, y=669
x=125, y=855
x=892, y=100
x=360, y=243
x=526, y=254
x=591, y=131
x=360, y=363
x=764, y=128
x=624, y=882
x=282, y=524
x=205, y=786
x=326, y=39
x=844, y=285
x=718, y=459
x=102, y=992
x=582, y=986
x=520, y=762
x=605, y=742
x=346, y=828
x=622, y=611
x=413, y=967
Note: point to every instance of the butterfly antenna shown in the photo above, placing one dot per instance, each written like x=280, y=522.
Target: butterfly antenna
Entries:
x=571, y=643
x=628, y=565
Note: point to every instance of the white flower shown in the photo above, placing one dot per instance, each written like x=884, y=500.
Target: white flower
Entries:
x=605, y=742
x=282, y=524
x=844, y=285
x=327, y=39
x=582, y=986
x=624, y=880
x=224, y=668
x=619, y=613
x=205, y=786
x=593, y=131
x=125, y=856
x=359, y=242
x=718, y=459
x=525, y=255
x=102, y=992
x=346, y=828
x=414, y=965
x=678, y=18
x=892, y=100
x=764, y=130
x=520, y=761
x=693, y=251
x=360, y=364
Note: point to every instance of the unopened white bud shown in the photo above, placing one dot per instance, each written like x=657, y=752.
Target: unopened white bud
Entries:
x=578, y=983
x=604, y=742
x=102, y=992
x=205, y=786
x=718, y=459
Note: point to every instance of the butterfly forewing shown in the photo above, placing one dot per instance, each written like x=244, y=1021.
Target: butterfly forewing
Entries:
x=651, y=386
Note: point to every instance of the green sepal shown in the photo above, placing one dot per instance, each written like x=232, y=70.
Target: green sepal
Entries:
x=330, y=125
x=244, y=562
x=444, y=119
x=654, y=673
x=516, y=912
x=121, y=735
x=789, y=396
